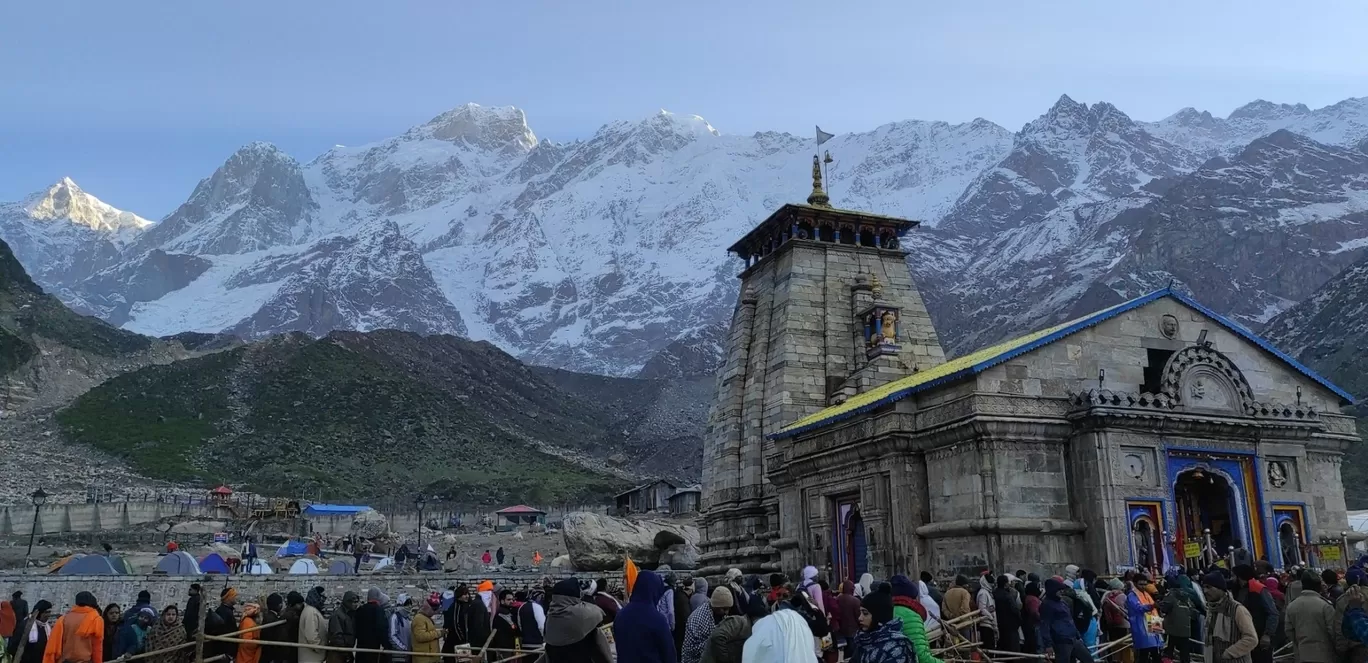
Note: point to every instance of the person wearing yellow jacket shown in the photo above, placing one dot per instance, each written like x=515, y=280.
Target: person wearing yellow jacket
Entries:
x=425, y=633
x=907, y=608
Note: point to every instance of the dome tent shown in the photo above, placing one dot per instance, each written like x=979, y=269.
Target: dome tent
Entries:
x=259, y=567
x=178, y=563
x=304, y=566
x=213, y=563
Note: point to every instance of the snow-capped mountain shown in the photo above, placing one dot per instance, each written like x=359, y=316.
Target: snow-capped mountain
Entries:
x=1329, y=329
x=1199, y=131
x=597, y=255
x=63, y=234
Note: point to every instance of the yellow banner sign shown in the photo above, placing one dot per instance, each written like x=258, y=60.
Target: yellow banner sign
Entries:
x=1329, y=553
x=1192, y=549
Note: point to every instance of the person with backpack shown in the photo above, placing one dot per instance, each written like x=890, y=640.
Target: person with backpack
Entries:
x=1114, y=619
x=1180, y=609
x=1058, y=627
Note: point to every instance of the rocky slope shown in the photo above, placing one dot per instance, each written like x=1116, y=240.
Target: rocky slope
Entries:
x=600, y=254
x=367, y=414
x=1329, y=332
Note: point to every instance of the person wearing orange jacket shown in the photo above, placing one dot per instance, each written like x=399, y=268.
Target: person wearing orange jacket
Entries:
x=249, y=652
x=78, y=636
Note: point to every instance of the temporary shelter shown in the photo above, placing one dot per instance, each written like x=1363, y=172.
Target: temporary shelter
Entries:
x=304, y=566
x=259, y=567
x=293, y=549
x=340, y=567
x=430, y=562
x=121, y=565
x=178, y=563
x=383, y=563
x=89, y=565
x=213, y=563
x=57, y=565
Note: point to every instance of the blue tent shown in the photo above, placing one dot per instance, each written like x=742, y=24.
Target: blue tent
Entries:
x=334, y=509
x=213, y=563
x=293, y=549
x=89, y=565
x=178, y=563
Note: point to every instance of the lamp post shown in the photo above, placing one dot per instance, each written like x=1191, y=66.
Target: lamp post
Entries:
x=420, y=502
x=39, y=499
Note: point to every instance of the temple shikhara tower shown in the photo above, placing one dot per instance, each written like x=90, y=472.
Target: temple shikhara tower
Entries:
x=1136, y=436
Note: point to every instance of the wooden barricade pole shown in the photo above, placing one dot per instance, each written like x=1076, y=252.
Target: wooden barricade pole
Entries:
x=199, y=633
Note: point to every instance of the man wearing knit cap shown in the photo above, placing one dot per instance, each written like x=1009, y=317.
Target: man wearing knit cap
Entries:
x=881, y=638
x=728, y=639
x=1230, y=632
x=1262, y=609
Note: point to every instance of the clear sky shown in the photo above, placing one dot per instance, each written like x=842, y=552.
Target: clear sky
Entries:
x=137, y=100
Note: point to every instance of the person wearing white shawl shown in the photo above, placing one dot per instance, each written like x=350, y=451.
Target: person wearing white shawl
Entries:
x=865, y=587
x=987, y=607
x=933, y=614
x=782, y=637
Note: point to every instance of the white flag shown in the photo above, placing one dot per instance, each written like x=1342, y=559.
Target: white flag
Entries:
x=823, y=136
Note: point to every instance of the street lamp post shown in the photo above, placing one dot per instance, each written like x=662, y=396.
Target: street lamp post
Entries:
x=420, y=502
x=39, y=499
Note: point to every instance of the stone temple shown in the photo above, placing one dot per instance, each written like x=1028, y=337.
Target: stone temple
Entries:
x=1131, y=437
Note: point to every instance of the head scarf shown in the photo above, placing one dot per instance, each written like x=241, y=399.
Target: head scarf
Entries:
x=1071, y=572
x=163, y=635
x=316, y=598
x=733, y=576
x=782, y=637
x=933, y=613
x=866, y=585
x=813, y=589
x=228, y=595
x=569, y=619
x=1115, y=584
x=700, y=595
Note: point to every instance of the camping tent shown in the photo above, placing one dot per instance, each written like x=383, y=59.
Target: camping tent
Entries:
x=57, y=565
x=259, y=567
x=213, y=563
x=430, y=562
x=304, y=566
x=340, y=567
x=121, y=565
x=384, y=563
x=178, y=563
x=89, y=565
x=292, y=549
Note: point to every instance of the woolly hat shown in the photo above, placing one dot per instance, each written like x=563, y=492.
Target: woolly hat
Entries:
x=1214, y=580
x=144, y=596
x=722, y=598
x=879, y=603
x=41, y=605
x=903, y=586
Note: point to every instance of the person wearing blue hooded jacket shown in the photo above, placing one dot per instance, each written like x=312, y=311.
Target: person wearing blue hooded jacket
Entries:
x=640, y=631
x=1058, y=631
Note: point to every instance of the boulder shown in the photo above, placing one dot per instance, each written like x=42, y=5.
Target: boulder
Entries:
x=597, y=542
x=370, y=524
x=680, y=556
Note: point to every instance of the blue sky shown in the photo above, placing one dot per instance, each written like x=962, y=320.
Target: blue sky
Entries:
x=137, y=101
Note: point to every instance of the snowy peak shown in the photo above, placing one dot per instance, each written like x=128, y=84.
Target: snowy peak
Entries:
x=66, y=201
x=684, y=125
x=1268, y=111
x=257, y=199
x=500, y=129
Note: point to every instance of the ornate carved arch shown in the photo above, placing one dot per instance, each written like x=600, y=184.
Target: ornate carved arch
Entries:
x=1201, y=377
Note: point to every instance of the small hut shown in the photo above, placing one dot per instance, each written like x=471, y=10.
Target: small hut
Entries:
x=221, y=495
x=510, y=518
x=686, y=501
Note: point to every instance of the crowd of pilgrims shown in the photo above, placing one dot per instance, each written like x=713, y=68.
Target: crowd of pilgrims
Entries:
x=1239, y=615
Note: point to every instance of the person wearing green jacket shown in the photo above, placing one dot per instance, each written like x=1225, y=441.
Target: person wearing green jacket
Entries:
x=909, y=609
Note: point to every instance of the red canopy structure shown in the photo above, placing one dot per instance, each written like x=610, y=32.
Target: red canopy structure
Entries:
x=222, y=490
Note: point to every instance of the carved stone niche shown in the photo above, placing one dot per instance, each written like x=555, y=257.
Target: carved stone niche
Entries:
x=1204, y=387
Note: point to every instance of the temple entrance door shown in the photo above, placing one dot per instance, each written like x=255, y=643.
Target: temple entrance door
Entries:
x=859, y=547
x=1146, y=552
x=1206, y=501
x=1290, y=544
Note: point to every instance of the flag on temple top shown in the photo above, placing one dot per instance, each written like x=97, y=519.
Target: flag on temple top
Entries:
x=823, y=136
x=630, y=569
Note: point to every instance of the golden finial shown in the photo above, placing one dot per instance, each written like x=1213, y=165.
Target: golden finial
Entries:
x=875, y=287
x=818, y=197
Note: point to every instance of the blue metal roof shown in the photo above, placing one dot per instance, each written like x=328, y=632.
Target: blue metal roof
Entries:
x=334, y=509
x=980, y=361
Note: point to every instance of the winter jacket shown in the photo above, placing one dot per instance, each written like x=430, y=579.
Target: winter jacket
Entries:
x=1247, y=637
x=372, y=630
x=400, y=634
x=1179, y=609
x=1259, y=601
x=696, y=633
x=77, y=637
x=1056, y=623
x=640, y=631
x=914, y=628
x=1136, y=612
x=848, y=614
x=313, y=630
x=1311, y=628
x=424, y=639
x=886, y=644
x=529, y=626
x=129, y=639
x=957, y=603
x=727, y=641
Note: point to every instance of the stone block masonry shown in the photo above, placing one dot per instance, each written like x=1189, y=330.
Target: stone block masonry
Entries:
x=165, y=590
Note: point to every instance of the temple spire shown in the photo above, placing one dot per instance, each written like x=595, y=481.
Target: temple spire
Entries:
x=818, y=197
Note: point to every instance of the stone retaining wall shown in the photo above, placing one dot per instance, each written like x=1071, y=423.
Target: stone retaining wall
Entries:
x=61, y=590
